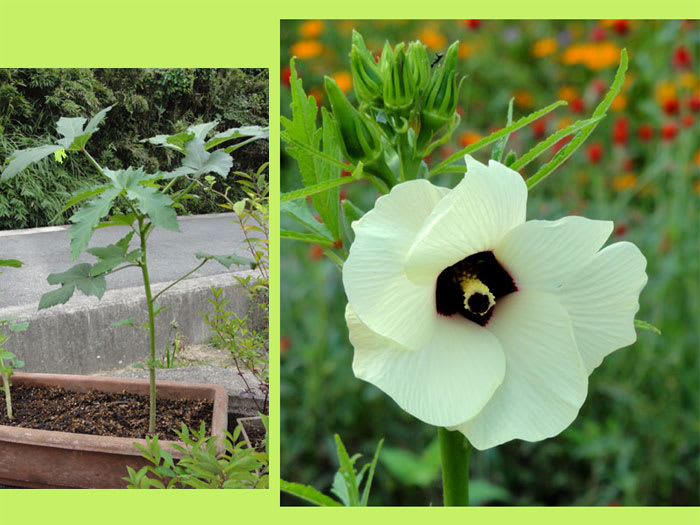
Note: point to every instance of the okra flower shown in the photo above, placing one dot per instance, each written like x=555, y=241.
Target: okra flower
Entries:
x=472, y=319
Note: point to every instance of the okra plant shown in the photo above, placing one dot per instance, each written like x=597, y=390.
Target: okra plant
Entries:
x=9, y=361
x=148, y=200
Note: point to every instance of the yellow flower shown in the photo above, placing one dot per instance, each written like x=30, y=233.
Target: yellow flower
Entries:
x=625, y=182
x=544, y=47
x=305, y=49
x=593, y=55
x=344, y=80
x=619, y=103
x=688, y=80
x=434, y=40
x=567, y=93
x=523, y=98
x=311, y=29
x=564, y=122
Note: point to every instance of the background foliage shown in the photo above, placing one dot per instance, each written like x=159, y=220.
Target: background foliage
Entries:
x=147, y=102
x=636, y=440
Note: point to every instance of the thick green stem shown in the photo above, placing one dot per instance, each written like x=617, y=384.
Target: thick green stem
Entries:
x=6, y=388
x=454, y=455
x=151, y=331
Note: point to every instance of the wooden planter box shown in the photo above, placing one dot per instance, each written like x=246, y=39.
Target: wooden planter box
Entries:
x=47, y=459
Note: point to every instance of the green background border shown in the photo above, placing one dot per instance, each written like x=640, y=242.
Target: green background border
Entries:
x=240, y=33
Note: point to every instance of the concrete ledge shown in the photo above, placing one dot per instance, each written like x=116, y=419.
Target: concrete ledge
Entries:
x=77, y=337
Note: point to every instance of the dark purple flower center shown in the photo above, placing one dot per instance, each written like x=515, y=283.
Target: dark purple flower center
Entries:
x=472, y=287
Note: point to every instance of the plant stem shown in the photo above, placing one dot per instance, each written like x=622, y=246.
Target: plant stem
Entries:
x=151, y=331
x=454, y=455
x=181, y=278
x=6, y=388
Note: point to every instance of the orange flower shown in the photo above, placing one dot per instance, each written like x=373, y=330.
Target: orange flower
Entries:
x=311, y=29
x=469, y=137
x=523, y=98
x=344, y=80
x=568, y=93
x=619, y=103
x=345, y=27
x=564, y=122
x=697, y=158
x=593, y=55
x=625, y=182
x=544, y=47
x=434, y=40
x=305, y=49
x=696, y=186
x=664, y=92
x=465, y=50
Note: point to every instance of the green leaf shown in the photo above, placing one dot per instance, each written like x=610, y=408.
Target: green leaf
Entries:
x=482, y=491
x=520, y=123
x=321, y=186
x=347, y=470
x=113, y=255
x=497, y=153
x=340, y=489
x=327, y=203
x=84, y=195
x=551, y=140
x=227, y=260
x=75, y=136
x=305, y=237
x=198, y=161
x=176, y=142
x=87, y=218
x=413, y=469
x=255, y=132
x=300, y=212
x=12, y=263
x=308, y=494
x=79, y=277
x=370, y=476
x=19, y=327
x=124, y=322
x=582, y=135
x=156, y=205
x=55, y=297
x=20, y=159
x=643, y=325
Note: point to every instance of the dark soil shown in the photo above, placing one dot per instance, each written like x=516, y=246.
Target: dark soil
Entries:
x=101, y=413
x=256, y=434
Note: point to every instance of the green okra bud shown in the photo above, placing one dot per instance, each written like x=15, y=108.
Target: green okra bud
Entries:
x=419, y=65
x=366, y=76
x=358, y=135
x=442, y=95
x=399, y=86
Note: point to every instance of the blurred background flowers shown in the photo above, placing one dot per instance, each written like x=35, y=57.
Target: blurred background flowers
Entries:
x=636, y=440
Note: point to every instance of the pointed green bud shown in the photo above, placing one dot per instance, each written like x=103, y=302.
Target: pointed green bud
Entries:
x=358, y=136
x=419, y=65
x=442, y=95
x=366, y=77
x=399, y=86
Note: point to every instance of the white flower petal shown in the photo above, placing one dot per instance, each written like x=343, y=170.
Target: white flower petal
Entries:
x=543, y=255
x=444, y=383
x=545, y=382
x=473, y=217
x=602, y=301
x=373, y=277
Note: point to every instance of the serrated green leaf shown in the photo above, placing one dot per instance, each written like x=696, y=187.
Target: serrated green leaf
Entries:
x=74, y=132
x=227, y=260
x=497, y=153
x=305, y=237
x=299, y=211
x=95, y=121
x=20, y=159
x=328, y=203
x=87, y=218
x=113, y=255
x=643, y=325
x=176, y=141
x=321, y=186
x=308, y=494
x=156, y=205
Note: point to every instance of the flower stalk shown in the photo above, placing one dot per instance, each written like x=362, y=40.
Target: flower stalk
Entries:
x=455, y=451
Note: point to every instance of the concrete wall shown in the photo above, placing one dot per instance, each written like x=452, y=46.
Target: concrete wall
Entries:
x=77, y=337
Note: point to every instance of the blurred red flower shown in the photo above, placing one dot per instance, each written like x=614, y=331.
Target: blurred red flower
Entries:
x=595, y=152
x=620, y=131
x=669, y=131
x=645, y=132
x=577, y=105
x=539, y=127
x=286, y=75
x=681, y=57
x=671, y=106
